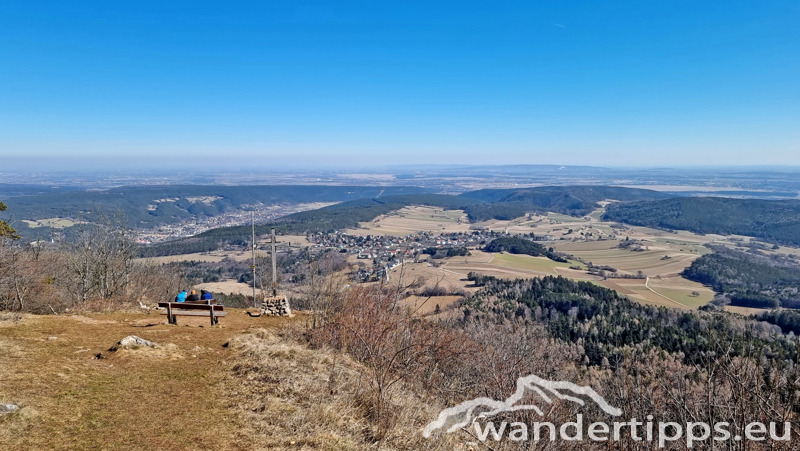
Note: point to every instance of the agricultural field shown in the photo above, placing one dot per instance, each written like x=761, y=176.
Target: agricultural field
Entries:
x=430, y=276
x=657, y=259
x=685, y=297
x=286, y=240
x=213, y=257
x=415, y=219
x=56, y=223
x=638, y=290
x=534, y=264
x=682, y=290
x=229, y=287
x=675, y=292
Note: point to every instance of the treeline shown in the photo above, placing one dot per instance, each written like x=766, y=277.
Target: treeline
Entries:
x=437, y=253
x=502, y=211
x=787, y=320
x=514, y=245
x=608, y=325
x=774, y=220
x=748, y=281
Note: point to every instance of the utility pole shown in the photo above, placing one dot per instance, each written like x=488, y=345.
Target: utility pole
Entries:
x=253, y=223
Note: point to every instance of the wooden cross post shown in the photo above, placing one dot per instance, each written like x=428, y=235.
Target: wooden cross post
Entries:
x=273, y=242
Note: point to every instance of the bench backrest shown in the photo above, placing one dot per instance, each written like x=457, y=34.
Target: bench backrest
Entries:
x=191, y=306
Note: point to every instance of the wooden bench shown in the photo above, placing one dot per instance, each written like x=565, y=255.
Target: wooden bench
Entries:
x=201, y=308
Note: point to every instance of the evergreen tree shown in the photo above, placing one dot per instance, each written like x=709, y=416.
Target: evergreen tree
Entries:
x=5, y=229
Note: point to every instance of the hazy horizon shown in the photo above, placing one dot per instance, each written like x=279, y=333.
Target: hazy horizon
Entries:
x=252, y=164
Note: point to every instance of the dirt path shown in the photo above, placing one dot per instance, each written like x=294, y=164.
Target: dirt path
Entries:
x=166, y=399
x=646, y=285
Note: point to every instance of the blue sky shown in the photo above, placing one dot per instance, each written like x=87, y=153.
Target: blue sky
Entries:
x=376, y=82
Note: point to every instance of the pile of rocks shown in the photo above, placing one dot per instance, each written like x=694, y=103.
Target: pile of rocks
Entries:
x=276, y=306
x=133, y=342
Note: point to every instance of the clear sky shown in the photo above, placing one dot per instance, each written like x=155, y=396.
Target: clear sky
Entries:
x=379, y=82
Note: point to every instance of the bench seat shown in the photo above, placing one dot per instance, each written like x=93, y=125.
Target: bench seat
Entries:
x=200, y=308
x=191, y=313
x=191, y=305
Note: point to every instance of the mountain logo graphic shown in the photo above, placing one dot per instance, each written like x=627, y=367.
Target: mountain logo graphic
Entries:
x=455, y=418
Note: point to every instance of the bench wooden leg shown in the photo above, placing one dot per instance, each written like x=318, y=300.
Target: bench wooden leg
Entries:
x=171, y=319
x=213, y=319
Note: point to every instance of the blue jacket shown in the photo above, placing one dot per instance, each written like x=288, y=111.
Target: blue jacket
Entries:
x=207, y=295
x=181, y=297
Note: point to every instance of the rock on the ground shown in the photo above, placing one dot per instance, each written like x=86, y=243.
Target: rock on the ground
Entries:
x=132, y=342
x=8, y=408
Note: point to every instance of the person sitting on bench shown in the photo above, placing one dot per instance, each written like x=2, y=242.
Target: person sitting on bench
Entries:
x=193, y=297
x=206, y=296
x=181, y=297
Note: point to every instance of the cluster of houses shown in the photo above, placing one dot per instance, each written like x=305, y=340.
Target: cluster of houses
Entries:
x=242, y=216
x=378, y=254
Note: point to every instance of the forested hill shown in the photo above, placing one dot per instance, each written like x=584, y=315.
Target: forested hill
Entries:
x=748, y=280
x=611, y=327
x=147, y=206
x=774, y=220
x=335, y=217
x=554, y=194
x=506, y=204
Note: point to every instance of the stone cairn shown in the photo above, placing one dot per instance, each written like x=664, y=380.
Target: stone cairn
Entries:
x=276, y=306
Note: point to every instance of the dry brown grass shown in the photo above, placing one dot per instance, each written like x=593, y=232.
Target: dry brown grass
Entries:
x=426, y=305
x=289, y=396
x=168, y=398
x=263, y=391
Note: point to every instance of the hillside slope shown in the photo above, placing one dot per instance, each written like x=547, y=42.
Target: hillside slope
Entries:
x=146, y=207
x=155, y=205
x=774, y=220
